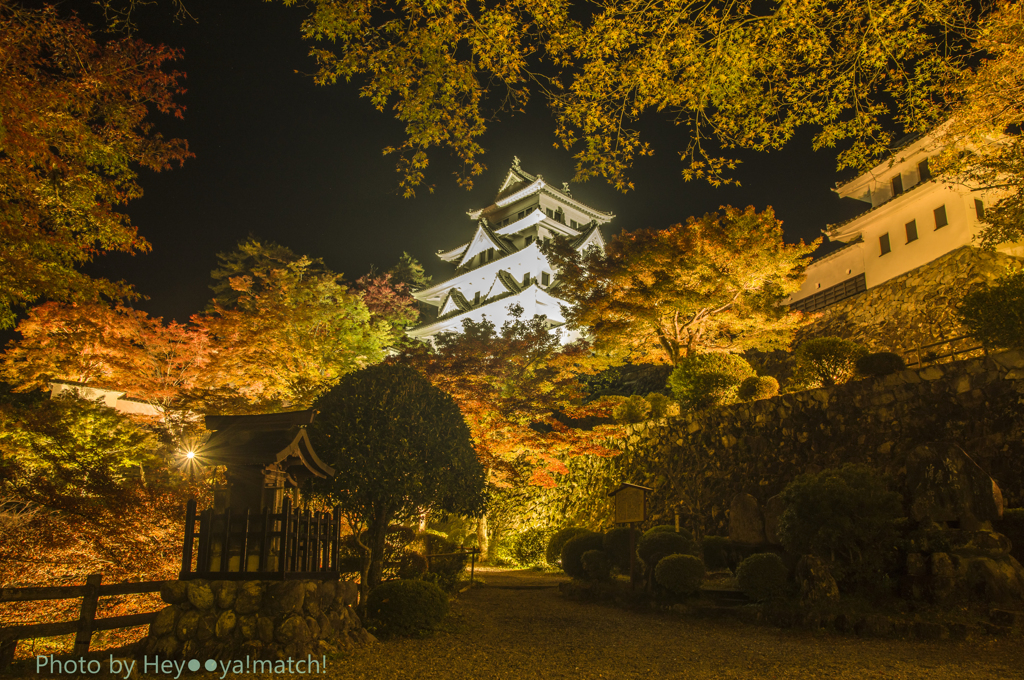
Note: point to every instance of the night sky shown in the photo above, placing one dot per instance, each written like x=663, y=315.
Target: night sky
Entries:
x=283, y=159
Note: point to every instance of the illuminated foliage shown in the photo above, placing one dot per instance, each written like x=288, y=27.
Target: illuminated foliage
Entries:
x=399, y=445
x=994, y=312
x=729, y=73
x=115, y=348
x=715, y=283
x=73, y=134
x=991, y=105
x=520, y=392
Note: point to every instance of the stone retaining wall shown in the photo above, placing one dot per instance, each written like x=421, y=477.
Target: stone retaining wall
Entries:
x=698, y=462
x=915, y=309
x=258, y=619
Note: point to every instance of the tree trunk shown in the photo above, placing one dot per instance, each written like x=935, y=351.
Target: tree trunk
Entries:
x=481, y=536
x=376, y=533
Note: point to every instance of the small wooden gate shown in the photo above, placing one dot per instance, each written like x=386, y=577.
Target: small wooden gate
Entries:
x=262, y=545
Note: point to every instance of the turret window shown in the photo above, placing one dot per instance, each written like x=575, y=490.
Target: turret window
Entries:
x=924, y=171
x=940, y=217
x=883, y=243
x=574, y=224
x=979, y=208
x=911, y=231
x=526, y=279
x=476, y=298
x=544, y=278
x=897, y=185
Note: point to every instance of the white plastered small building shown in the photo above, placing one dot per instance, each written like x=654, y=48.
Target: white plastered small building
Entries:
x=912, y=220
x=502, y=266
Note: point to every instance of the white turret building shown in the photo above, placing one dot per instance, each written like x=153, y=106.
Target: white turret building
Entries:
x=501, y=265
x=912, y=220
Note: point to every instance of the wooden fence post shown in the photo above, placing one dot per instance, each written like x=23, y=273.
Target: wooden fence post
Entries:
x=186, y=550
x=282, y=554
x=88, y=615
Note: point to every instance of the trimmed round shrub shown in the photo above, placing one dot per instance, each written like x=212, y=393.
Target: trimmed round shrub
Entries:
x=707, y=380
x=716, y=552
x=616, y=545
x=572, y=552
x=824, y=362
x=405, y=607
x=845, y=516
x=680, y=574
x=669, y=529
x=661, y=405
x=596, y=565
x=529, y=547
x=880, y=363
x=758, y=387
x=762, y=576
x=655, y=545
x=411, y=565
x=634, y=409
x=559, y=539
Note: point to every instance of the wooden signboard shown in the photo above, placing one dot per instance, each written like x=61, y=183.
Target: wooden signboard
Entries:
x=630, y=503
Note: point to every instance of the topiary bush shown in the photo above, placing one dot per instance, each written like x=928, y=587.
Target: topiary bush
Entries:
x=846, y=517
x=707, y=380
x=669, y=529
x=616, y=545
x=572, y=552
x=405, y=607
x=444, y=571
x=634, y=409
x=596, y=565
x=757, y=387
x=880, y=364
x=680, y=574
x=656, y=545
x=661, y=405
x=824, y=362
x=762, y=576
x=716, y=552
x=557, y=540
x=529, y=547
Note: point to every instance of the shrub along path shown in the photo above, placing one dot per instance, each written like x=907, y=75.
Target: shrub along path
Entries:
x=514, y=627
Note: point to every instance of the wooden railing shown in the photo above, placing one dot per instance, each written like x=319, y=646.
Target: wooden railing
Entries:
x=923, y=357
x=87, y=623
x=265, y=545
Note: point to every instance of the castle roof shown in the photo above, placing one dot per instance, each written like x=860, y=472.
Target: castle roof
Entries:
x=519, y=184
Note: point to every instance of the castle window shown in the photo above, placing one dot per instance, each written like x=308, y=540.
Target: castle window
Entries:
x=490, y=254
x=520, y=215
x=574, y=224
x=883, y=243
x=940, y=217
x=544, y=278
x=897, y=185
x=911, y=231
x=551, y=213
x=476, y=298
x=924, y=171
x=979, y=208
x=529, y=240
x=526, y=279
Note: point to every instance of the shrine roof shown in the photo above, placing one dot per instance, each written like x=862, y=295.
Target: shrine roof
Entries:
x=262, y=440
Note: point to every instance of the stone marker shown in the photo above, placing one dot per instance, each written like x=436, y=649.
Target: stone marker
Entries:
x=773, y=508
x=746, y=525
x=945, y=485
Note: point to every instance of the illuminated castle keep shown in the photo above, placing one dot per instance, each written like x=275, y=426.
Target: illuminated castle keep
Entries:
x=502, y=265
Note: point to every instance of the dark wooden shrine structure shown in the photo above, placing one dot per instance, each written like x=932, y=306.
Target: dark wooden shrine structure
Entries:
x=254, y=530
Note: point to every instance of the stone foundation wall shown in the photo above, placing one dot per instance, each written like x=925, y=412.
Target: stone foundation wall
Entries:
x=915, y=309
x=259, y=619
x=698, y=462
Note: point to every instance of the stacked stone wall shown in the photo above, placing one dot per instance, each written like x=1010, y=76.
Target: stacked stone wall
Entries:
x=698, y=462
x=915, y=309
x=258, y=619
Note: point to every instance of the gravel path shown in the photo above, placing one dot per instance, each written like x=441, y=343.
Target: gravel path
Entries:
x=518, y=627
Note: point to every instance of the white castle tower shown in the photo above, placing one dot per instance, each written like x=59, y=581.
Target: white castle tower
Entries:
x=502, y=265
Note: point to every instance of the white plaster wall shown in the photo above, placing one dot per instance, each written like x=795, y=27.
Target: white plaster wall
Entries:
x=830, y=270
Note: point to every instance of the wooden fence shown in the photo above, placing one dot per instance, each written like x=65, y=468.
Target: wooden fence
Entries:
x=944, y=349
x=87, y=623
x=265, y=545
